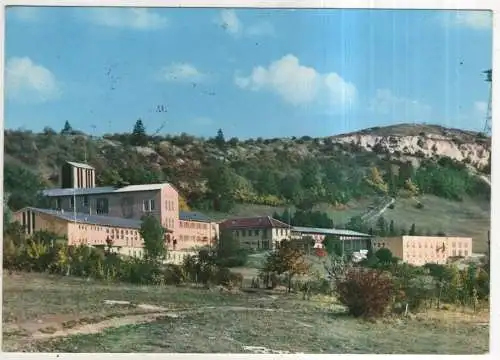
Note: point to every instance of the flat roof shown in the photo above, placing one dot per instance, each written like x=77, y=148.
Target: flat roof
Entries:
x=89, y=219
x=325, y=231
x=101, y=190
x=193, y=216
x=80, y=165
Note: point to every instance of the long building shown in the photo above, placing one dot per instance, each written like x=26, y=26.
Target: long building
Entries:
x=420, y=250
x=78, y=194
x=352, y=241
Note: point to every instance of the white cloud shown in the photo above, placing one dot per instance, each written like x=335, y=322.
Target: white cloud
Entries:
x=299, y=85
x=181, y=72
x=473, y=19
x=28, y=82
x=24, y=13
x=138, y=19
x=481, y=107
x=386, y=103
x=229, y=21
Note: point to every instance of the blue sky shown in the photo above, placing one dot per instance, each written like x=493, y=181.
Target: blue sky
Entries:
x=251, y=72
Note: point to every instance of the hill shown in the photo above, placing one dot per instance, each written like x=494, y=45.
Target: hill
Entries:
x=431, y=173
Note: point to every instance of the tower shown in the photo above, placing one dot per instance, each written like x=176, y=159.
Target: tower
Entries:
x=487, y=122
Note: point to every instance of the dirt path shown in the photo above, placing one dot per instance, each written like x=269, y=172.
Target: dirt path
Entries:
x=52, y=329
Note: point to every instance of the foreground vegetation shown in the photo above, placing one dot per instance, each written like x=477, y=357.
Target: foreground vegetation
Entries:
x=206, y=303
x=319, y=325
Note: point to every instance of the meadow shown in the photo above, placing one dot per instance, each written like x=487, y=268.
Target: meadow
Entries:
x=50, y=313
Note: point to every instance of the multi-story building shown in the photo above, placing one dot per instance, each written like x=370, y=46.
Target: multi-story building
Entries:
x=84, y=229
x=420, y=250
x=352, y=241
x=262, y=232
x=79, y=195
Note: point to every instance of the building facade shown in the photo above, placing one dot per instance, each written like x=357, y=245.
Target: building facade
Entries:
x=84, y=229
x=256, y=233
x=420, y=250
x=352, y=241
x=79, y=195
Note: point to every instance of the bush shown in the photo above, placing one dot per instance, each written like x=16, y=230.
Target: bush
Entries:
x=365, y=293
x=226, y=278
x=174, y=274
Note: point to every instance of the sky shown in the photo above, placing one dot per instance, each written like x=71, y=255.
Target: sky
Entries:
x=251, y=72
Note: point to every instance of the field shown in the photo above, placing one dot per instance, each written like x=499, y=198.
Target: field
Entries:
x=55, y=314
x=466, y=218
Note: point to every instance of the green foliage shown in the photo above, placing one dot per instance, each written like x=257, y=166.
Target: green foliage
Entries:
x=139, y=136
x=153, y=234
x=216, y=175
x=229, y=253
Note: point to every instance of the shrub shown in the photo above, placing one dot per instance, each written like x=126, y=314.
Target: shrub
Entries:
x=174, y=274
x=365, y=293
x=229, y=279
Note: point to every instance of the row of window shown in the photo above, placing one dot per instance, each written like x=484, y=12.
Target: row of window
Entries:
x=432, y=245
x=257, y=232
x=193, y=225
x=170, y=205
x=192, y=238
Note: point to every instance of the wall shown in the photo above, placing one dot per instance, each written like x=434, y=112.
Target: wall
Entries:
x=261, y=238
x=169, y=211
x=124, y=205
x=80, y=234
x=177, y=257
x=420, y=250
x=196, y=233
x=42, y=222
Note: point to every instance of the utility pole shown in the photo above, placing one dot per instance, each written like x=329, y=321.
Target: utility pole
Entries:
x=487, y=123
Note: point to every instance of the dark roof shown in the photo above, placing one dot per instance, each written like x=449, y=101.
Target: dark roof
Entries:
x=323, y=231
x=80, y=165
x=102, y=190
x=90, y=219
x=259, y=222
x=193, y=216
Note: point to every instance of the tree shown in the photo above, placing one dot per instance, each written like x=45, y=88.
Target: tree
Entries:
x=153, y=234
x=382, y=226
x=377, y=181
x=332, y=245
x=384, y=255
x=392, y=230
x=229, y=252
x=139, y=136
x=221, y=183
x=67, y=129
x=220, y=141
x=287, y=259
x=413, y=230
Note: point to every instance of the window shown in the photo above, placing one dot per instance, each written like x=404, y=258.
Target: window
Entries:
x=243, y=233
x=58, y=203
x=102, y=206
x=466, y=253
x=85, y=201
x=148, y=205
x=72, y=202
x=281, y=232
x=181, y=223
x=256, y=232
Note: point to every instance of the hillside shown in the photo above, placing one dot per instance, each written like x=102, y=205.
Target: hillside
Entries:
x=430, y=171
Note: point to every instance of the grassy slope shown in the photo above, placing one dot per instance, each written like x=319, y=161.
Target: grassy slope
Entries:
x=467, y=218
x=316, y=326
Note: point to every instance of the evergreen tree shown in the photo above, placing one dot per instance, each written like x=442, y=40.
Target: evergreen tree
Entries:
x=220, y=141
x=382, y=226
x=413, y=230
x=139, y=136
x=67, y=130
x=392, y=230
